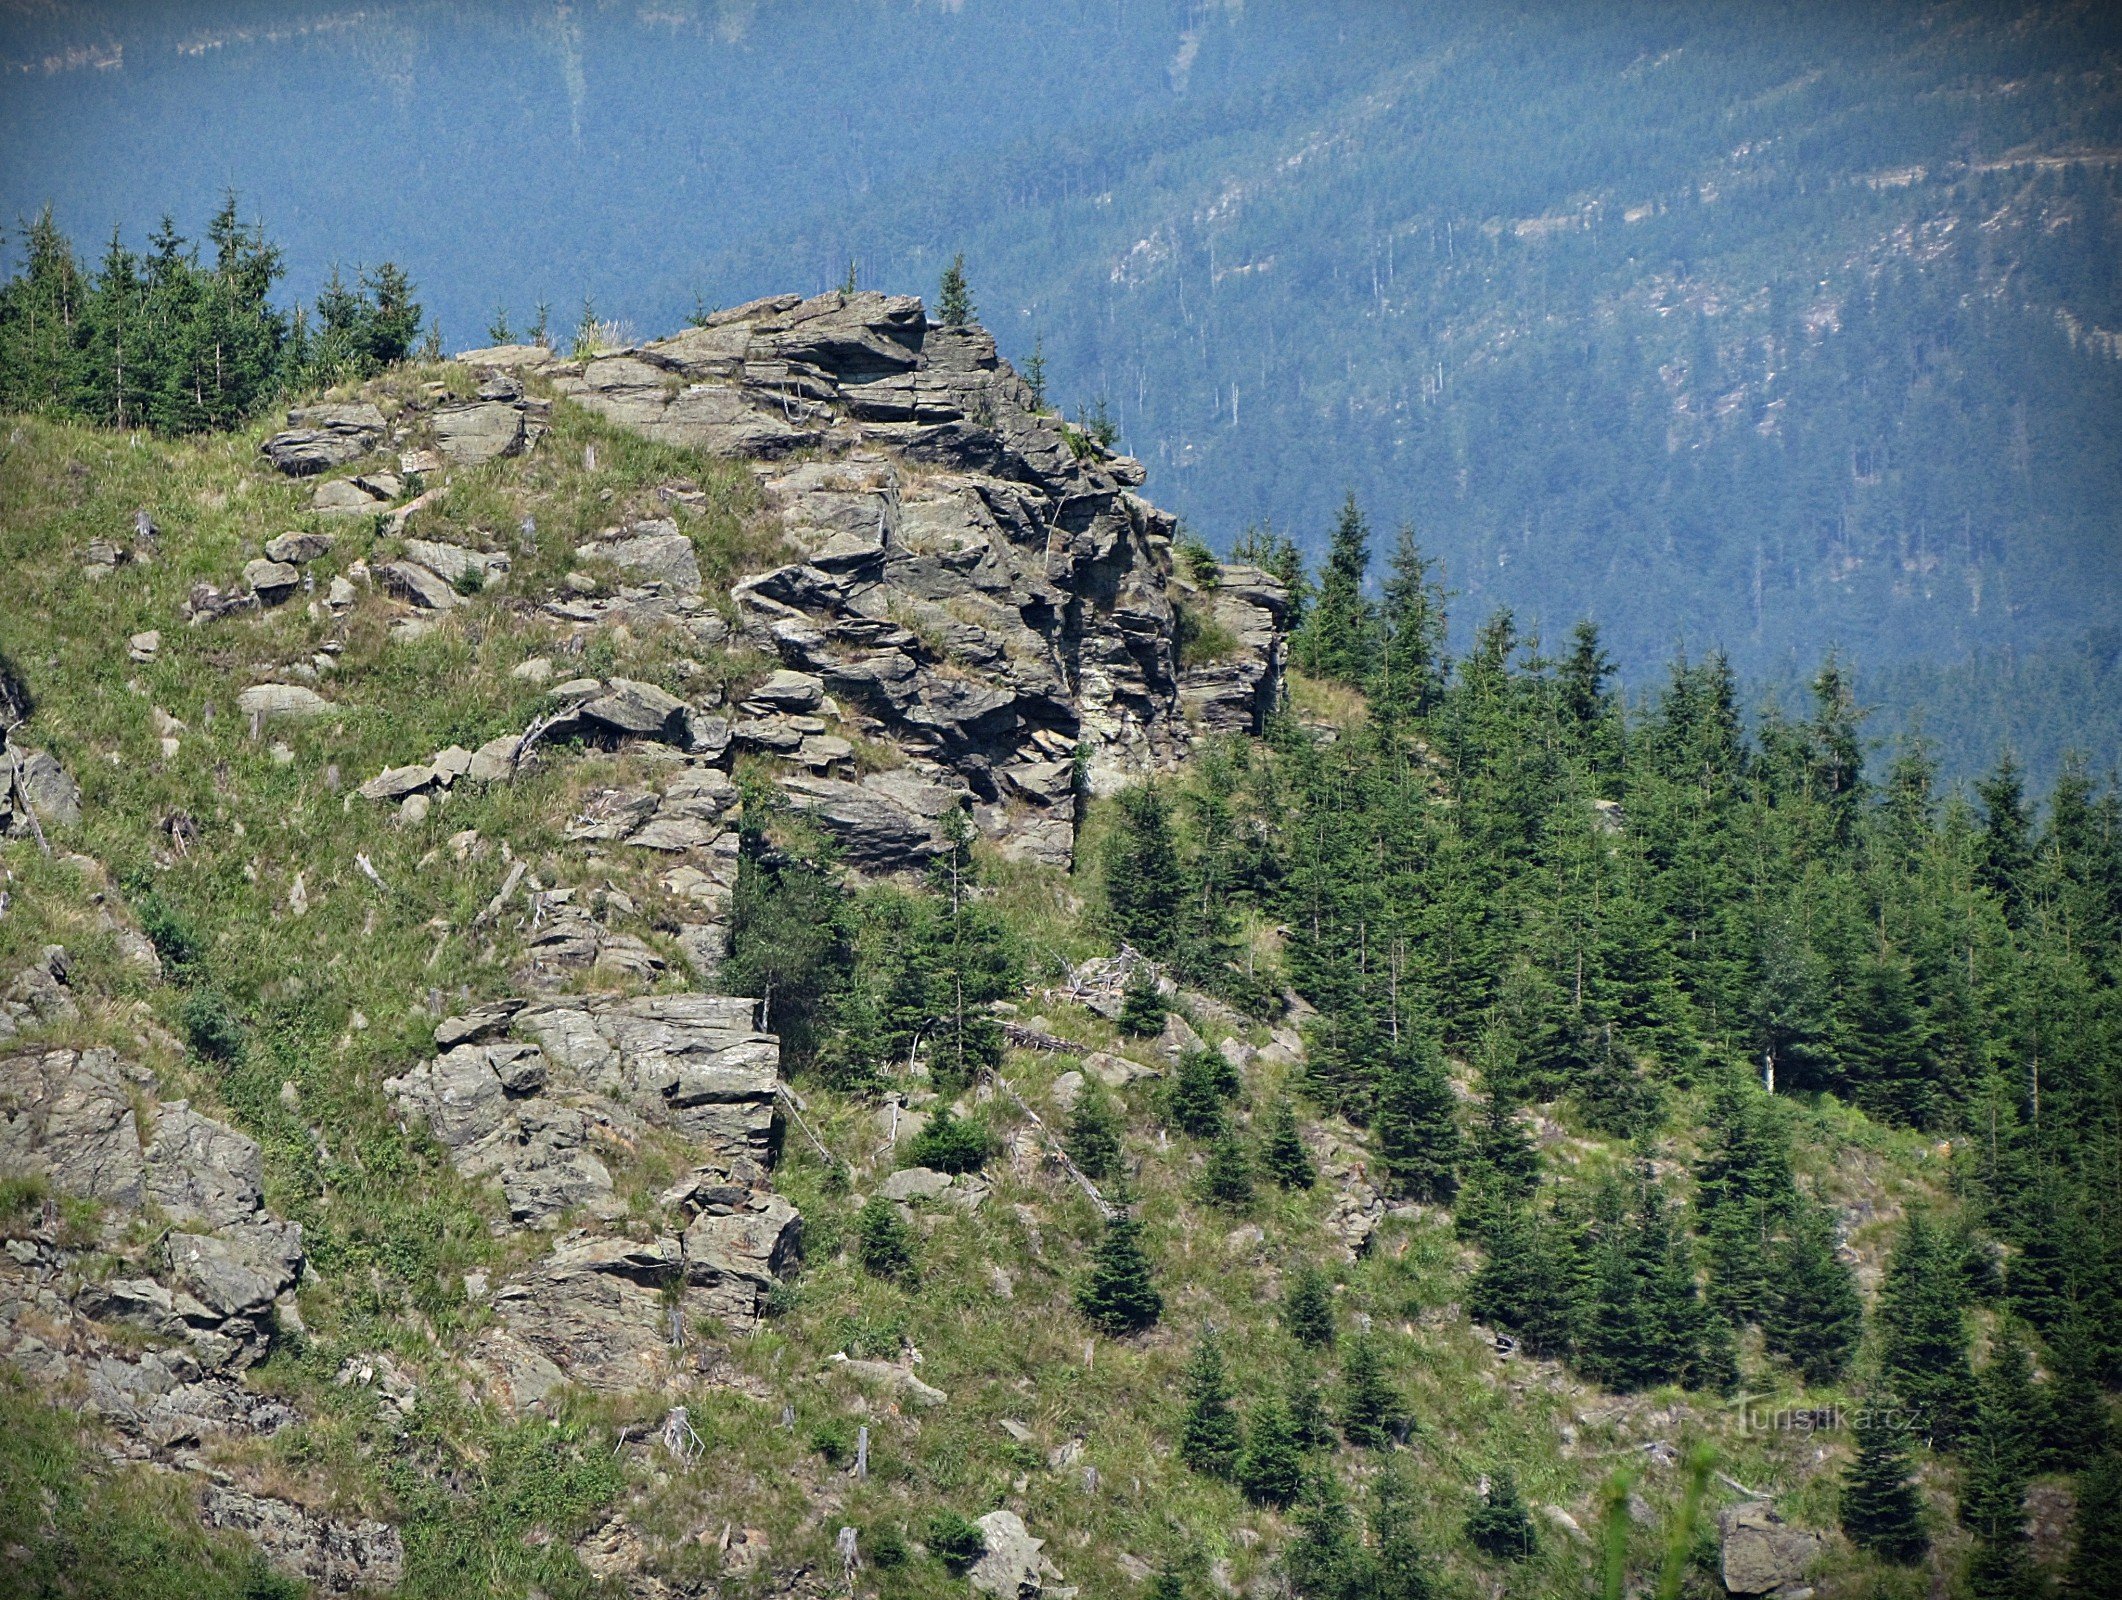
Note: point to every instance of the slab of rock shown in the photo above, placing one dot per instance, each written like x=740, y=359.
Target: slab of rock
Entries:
x=450, y=562
x=416, y=585
x=298, y=549
x=786, y=691
x=880, y=825
x=736, y=1253
x=655, y=553
x=595, y=1308
x=319, y=438
x=914, y=1183
x=1762, y=1554
x=635, y=708
x=1011, y=1567
x=335, y=1557
x=67, y=1116
x=202, y=1172
x=473, y=432
x=343, y=497
x=271, y=581
x=395, y=783
x=36, y=776
x=269, y=701
x=899, y=1379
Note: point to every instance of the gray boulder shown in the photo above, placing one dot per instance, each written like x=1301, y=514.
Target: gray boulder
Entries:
x=596, y=1309
x=35, y=776
x=1011, y=1567
x=269, y=701
x=67, y=1116
x=297, y=549
x=1763, y=1555
x=416, y=585
x=319, y=438
x=343, y=497
x=641, y=709
x=450, y=562
x=271, y=581
x=202, y=1172
x=477, y=431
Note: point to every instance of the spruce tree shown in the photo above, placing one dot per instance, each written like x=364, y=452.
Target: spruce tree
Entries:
x=1227, y=1180
x=1411, y=663
x=2096, y=1558
x=883, y=1243
x=1093, y=1136
x=1885, y=1047
x=1370, y=1410
x=1308, y=1422
x=1880, y=1508
x=1284, y=1158
x=954, y=299
x=1923, y=1330
x=1339, y=640
x=1169, y=1583
x=1998, y=1467
x=1118, y=1294
x=1401, y=1570
x=1142, y=1011
x=1308, y=1308
x=1815, y=1318
x=1272, y=1468
x=1324, y=1562
x=1525, y=1283
x=1145, y=882
x=1195, y=1099
x=1210, y=1439
x=1499, y=1527
x=1417, y=1125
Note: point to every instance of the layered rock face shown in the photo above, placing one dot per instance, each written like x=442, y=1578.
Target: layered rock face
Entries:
x=537, y=1095
x=976, y=582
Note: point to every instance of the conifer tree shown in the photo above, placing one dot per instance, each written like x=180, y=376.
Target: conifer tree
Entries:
x=1227, y=1180
x=1093, y=1137
x=1145, y=884
x=1525, y=1284
x=1815, y=1318
x=1169, y=1583
x=1416, y=1123
x=1272, y=1468
x=1197, y=1094
x=1118, y=1295
x=1142, y=1011
x=1340, y=633
x=1308, y=1308
x=1880, y=1509
x=1411, y=663
x=1210, y=1439
x=1884, y=1049
x=1370, y=1410
x=1309, y=1424
x=883, y=1243
x=1324, y=1561
x=1284, y=1158
x=1923, y=1330
x=1401, y=1568
x=2096, y=1558
x=954, y=299
x=1499, y=1526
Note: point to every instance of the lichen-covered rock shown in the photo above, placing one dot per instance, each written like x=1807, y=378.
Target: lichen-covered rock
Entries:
x=336, y=1557
x=270, y=700
x=34, y=784
x=1762, y=1554
x=319, y=438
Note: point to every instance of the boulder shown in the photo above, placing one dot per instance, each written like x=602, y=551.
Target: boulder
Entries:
x=416, y=585
x=297, y=549
x=653, y=553
x=395, y=783
x=786, y=691
x=319, y=438
x=914, y=1183
x=891, y=1375
x=343, y=497
x=738, y=1253
x=473, y=432
x=1762, y=1555
x=202, y=1172
x=53, y=796
x=450, y=562
x=334, y=1557
x=1011, y=1566
x=268, y=701
x=595, y=1309
x=271, y=581
x=884, y=823
x=636, y=708
x=67, y=1116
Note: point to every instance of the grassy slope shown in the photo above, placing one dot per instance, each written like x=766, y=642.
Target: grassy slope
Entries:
x=338, y=999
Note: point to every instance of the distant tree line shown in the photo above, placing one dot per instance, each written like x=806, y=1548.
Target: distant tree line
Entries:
x=184, y=339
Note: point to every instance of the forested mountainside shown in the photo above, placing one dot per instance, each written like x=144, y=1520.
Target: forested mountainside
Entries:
x=725, y=967
x=1760, y=329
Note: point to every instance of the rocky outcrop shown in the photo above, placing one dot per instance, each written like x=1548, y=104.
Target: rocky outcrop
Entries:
x=35, y=791
x=546, y=1097
x=1764, y=1555
x=974, y=581
x=319, y=438
x=335, y=1557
